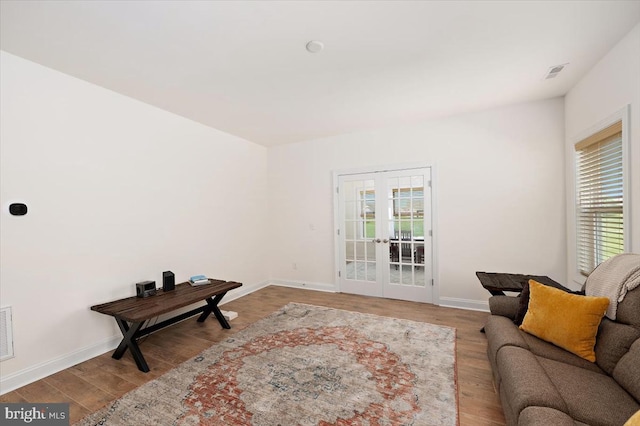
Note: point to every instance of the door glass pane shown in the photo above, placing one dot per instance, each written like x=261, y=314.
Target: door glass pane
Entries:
x=371, y=251
x=404, y=187
x=419, y=269
x=350, y=229
x=419, y=253
x=417, y=181
x=350, y=270
x=407, y=274
x=370, y=229
x=394, y=274
x=360, y=271
x=371, y=271
x=350, y=251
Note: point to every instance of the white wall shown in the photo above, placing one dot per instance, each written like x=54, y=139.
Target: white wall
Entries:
x=608, y=87
x=500, y=196
x=118, y=191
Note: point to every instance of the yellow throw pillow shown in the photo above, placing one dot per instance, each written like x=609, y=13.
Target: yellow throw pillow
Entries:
x=567, y=320
x=634, y=420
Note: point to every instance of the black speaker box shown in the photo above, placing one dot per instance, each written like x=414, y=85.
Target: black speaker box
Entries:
x=168, y=281
x=145, y=288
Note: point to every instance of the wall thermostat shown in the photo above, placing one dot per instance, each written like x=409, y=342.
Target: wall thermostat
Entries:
x=15, y=207
x=18, y=209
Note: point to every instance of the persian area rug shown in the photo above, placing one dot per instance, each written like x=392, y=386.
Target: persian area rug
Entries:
x=306, y=365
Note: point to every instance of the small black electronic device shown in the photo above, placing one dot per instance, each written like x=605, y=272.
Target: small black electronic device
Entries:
x=18, y=209
x=145, y=288
x=168, y=281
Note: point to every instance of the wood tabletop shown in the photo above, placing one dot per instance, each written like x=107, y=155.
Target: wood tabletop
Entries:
x=513, y=282
x=138, y=309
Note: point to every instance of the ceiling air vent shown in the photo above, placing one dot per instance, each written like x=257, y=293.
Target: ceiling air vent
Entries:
x=554, y=71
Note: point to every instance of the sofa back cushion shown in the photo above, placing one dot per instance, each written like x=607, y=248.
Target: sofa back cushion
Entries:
x=627, y=371
x=628, y=311
x=615, y=338
x=613, y=341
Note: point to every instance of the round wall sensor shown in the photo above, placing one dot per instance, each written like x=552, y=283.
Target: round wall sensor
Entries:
x=315, y=46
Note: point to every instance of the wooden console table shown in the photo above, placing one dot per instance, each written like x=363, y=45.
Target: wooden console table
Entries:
x=132, y=312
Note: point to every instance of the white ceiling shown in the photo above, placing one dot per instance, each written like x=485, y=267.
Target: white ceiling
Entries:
x=242, y=67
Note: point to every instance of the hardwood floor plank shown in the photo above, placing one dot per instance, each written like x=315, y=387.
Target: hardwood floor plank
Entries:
x=101, y=380
x=11, y=397
x=79, y=390
x=97, y=373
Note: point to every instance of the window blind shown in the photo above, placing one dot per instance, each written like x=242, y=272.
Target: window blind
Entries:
x=599, y=198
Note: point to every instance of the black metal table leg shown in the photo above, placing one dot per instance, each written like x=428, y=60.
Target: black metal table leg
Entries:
x=212, y=306
x=129, y=341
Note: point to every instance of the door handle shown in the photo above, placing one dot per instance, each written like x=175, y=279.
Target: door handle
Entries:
x=376, y=240
x=385, y=241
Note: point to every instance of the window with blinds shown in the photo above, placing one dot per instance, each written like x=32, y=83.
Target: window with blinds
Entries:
x=599, y=197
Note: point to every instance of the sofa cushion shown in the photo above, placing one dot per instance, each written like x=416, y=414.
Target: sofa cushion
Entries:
x=525, y=382
x=627, y=371
x=592, y=398
x=501, y=331
x=566, y=320
x=612, y=342
x=536, y=416
x=547, y=350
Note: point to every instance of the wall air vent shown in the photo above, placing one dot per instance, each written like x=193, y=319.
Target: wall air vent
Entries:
x=6, y=335
x=554, y=71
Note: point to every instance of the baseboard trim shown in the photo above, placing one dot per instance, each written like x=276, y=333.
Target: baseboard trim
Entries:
x=31, y=374
x=40, y=371
x=468, y=304
x=329, y=288
x=243, y=291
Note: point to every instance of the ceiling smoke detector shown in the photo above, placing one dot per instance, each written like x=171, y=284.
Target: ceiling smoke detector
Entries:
x=554, y=71
x=315, y=46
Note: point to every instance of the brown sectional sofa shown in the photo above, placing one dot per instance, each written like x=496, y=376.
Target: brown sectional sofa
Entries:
x=542, y=384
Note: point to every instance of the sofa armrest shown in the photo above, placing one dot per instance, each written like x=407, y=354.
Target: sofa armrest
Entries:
x=506, y=306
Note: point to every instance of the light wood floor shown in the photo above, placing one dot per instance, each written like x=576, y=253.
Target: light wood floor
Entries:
x=94, y=383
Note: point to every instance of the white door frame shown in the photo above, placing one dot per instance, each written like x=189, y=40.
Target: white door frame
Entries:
x=434, y=217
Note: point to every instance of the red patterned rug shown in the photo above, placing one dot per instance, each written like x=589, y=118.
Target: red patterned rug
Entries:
x=306, y=365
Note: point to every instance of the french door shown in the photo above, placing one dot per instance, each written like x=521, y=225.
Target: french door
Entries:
x=384, y=235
